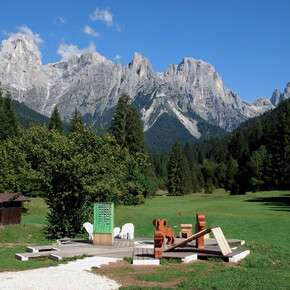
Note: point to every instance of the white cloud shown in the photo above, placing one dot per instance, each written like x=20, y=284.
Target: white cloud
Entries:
x=26, y=30
x=23, y=29
x=103, y=15
x=61, y=19
x=90, y=31
x=118, y=56
x=69, y=50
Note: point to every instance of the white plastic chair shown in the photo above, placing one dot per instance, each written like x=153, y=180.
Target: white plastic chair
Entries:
x=127, y=231
x=89, y=228
x=117, y=232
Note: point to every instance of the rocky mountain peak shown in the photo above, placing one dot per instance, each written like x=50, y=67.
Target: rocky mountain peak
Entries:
x=276, y=97
x=140, y=64
x=286, y=93
x=93, y=84
x=20, y=47
x=94, y=58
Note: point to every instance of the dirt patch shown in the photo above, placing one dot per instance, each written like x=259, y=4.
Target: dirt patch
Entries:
x=131, y=275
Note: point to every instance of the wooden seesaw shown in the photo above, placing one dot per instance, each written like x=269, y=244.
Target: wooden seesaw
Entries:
x=195, y=244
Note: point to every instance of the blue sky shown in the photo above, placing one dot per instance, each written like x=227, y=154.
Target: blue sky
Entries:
x=247, y=41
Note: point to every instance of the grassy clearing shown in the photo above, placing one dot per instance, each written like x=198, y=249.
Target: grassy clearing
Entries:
x=262, y=219
x=256, y=217
x=31, y=231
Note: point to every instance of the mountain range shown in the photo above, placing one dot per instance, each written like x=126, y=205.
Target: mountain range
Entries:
x=187, y=100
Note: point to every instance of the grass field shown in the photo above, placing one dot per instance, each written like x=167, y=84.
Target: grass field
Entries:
x=262, y=219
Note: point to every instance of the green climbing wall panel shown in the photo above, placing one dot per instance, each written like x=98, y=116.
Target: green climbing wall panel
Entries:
x=104, y=218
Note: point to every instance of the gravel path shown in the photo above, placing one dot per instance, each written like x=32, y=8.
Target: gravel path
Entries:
x=73, y=275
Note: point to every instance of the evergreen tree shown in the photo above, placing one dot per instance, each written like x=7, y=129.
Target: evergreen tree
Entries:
x=256, y=166
x=209, y=188
x=195, y=187
x=188, y=152
x=9, y=126
x=55, y=121
x=127, y=127
x=76, y=121
x=200, y=177
x=160, y=165
x=281, y=146
x=238, y=146
x=118, y=123
x=2, y=118
x=231, y=171
x=178, y=172
x=256, y=134
x=135, y=140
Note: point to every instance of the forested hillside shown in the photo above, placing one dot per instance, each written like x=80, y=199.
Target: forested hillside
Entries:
x=254, y=156
x=162, y=135
x=27, y=117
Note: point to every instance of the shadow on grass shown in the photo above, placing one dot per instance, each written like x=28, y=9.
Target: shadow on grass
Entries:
x=277, y=203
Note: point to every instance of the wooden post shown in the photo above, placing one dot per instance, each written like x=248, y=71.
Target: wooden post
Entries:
x=200, y=224
x=158, y=238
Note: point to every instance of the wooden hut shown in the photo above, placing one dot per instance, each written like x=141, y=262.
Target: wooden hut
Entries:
x=10, y=208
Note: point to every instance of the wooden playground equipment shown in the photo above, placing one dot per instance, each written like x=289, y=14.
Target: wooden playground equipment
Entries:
x=198, y=237
x=168, y=233
x=185, y=231
x=103, y=233
x=143, y=251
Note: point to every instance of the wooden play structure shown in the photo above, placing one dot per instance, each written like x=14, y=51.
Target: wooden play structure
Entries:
x=198, y=237
x=166, y=233
x=185, y=231
x=199, y=226
x=144, y=251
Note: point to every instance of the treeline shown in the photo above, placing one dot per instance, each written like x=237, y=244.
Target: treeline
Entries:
x=256, y=156
x=71, y=171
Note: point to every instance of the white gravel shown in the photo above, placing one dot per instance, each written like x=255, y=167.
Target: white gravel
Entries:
x=74, y=275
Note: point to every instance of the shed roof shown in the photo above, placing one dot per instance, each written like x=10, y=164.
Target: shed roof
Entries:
x=8, y=197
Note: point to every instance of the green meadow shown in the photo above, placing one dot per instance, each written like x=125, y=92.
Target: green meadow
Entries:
x=262, y=219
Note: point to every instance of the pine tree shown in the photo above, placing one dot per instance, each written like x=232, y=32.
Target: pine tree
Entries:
x=75, y=121
x=231, y=171
x=127, y=127
x=9, y=125
x=56, y=122
x=281, y=148
x=209, y=188
x=134, y=140
x=118, y=123
x=194, y=182
x=256, y=135
x=2, y=118
x=256, y=166
x=178, y=172
x=188, y=152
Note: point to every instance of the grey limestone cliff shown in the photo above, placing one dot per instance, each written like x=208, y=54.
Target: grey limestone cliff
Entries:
x=93, y=84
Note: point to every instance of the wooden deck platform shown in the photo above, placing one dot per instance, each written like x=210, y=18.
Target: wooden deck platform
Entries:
x=141, y=250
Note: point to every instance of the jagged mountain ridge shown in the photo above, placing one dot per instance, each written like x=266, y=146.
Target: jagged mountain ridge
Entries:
x=93, y=84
